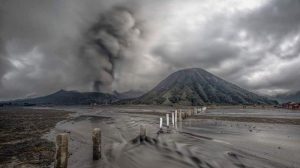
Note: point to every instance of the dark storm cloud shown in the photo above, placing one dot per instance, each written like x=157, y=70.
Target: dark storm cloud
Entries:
x=275, y=25
x=277, y=19
x=28, y=32
x=210, y=54
x=256, y=49
x=4, y=64
x=133, y=44
x=276, y=28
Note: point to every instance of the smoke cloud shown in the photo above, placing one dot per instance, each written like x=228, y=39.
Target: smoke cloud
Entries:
x=106, y=42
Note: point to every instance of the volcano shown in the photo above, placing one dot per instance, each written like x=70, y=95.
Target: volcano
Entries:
x=196, y=86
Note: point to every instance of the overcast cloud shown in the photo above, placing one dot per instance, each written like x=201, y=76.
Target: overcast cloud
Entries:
x=107, y=45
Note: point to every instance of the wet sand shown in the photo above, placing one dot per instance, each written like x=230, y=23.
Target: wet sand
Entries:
x=206, y=142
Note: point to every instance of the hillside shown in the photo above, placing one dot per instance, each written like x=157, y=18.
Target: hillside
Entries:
x=128, y=94
x=196, y=87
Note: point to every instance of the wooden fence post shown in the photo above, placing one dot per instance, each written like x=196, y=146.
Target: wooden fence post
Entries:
x=62, y=154
x=96, y=144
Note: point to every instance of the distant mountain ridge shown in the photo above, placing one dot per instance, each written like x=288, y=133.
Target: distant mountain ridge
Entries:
x=196, y=86
x=63, y=97
x=193, y=86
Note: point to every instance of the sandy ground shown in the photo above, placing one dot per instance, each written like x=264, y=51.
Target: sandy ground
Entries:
x=21, y=129
x=254, y=138
x=294, y=121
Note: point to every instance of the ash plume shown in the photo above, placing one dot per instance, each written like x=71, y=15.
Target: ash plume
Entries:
x=105, y=43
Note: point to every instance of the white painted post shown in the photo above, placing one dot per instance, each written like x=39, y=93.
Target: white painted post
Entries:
x=173, y=119
x=167, y=117
x=176, y=116
x=160, y=123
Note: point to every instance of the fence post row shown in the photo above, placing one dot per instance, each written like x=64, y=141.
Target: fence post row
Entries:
x=61, y=157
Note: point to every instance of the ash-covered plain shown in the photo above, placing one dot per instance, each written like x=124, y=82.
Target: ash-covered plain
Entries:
x=195, y=142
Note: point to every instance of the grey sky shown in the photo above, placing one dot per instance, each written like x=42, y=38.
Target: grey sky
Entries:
x=133, y=44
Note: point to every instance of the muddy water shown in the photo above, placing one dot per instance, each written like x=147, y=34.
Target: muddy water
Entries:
x=194, y=143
